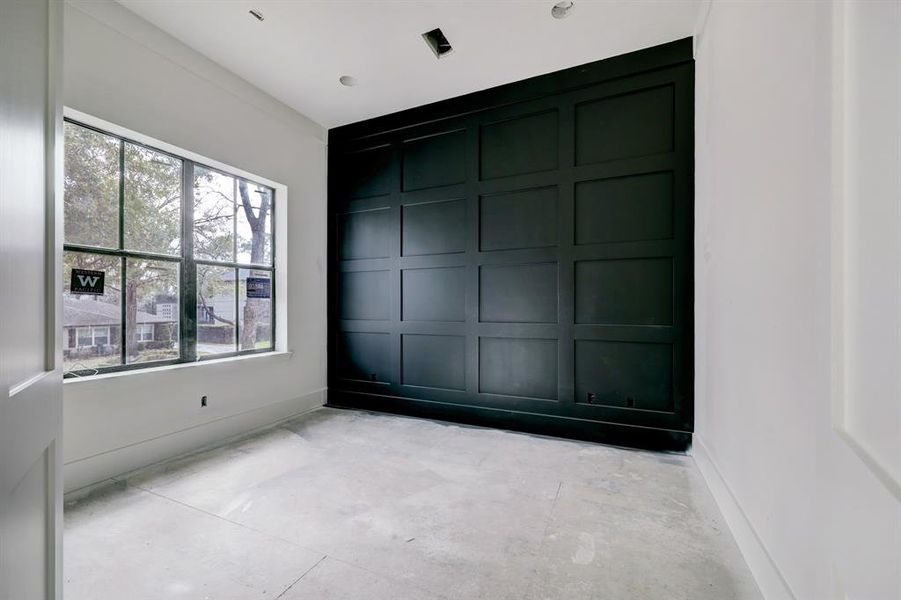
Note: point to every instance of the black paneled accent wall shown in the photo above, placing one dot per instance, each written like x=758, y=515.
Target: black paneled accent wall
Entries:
x=522, y=257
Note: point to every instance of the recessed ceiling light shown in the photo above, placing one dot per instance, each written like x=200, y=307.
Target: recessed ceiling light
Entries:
x=256, y=14
x=347, y=81
x=561, y=10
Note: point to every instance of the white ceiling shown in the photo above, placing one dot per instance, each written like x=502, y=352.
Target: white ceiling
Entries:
x=301, y=48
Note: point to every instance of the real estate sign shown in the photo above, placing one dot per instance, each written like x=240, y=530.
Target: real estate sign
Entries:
x=86, y=281
x=259, y=287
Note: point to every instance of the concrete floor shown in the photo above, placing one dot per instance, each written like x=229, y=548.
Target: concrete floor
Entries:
x=352, y=505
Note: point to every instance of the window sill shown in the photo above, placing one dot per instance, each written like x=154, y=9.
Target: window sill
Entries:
x=277, y=355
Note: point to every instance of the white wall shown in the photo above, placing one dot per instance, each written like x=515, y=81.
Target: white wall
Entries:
x=870, y=211
x=123, y=70
x=813, y=519
x=762, y=269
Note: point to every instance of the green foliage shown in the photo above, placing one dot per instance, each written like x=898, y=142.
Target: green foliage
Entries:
x=91, y=188
x=152, y=194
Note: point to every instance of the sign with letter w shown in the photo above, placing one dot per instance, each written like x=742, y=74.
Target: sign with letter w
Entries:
x=85, y=281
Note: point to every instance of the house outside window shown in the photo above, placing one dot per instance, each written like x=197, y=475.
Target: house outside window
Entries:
x=185, y=250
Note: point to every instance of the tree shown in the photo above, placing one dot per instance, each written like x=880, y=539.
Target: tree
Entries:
x=214, y=215
x=253, y=307
x=91, y=188
x=210, y=284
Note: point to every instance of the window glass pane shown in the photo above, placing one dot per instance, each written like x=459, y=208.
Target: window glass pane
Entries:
x=83, y=312
x=255, y=309
x=254, y=224
x=101, y=336
x=91, y=188
x=215, y=310
x=214, y=215
x=151, y=301
x=84, y=338
x=152, y=200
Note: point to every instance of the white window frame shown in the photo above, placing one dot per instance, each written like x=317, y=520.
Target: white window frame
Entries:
x=280, y=342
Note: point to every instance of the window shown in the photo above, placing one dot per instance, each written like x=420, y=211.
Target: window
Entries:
x=100, y=335
x=85, y=338
x=185, y=251
x=89, y=337
x=145, y=332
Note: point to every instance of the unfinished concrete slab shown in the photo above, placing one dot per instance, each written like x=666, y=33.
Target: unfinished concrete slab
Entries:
x=342, y=504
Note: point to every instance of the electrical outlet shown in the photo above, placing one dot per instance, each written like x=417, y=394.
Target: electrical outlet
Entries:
x=591, y=397
x=372, y=377
x=630, y=402
x=203, y=401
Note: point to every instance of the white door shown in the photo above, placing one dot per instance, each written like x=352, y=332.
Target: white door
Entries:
x=30, y=359
x=861, y=456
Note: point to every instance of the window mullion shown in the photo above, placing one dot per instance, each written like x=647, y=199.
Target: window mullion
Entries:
x=123, y=303
x=237, y=310
x=188, y=298
x=123, y=262
x=121, y=194
x=235, y=260
x=272, y=307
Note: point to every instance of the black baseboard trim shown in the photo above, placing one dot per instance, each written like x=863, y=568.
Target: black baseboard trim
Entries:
x=613, y=434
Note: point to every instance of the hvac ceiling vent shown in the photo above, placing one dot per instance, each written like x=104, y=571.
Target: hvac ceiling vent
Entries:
x=437, y=42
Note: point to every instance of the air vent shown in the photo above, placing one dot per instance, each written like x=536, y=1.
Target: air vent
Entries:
x=437, y=42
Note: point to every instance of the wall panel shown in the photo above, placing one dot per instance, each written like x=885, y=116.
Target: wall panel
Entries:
x=434, y=228
x=437, y=361
x=364, y=234
x=365, y=295
x=624, y=374
x=368, y=173
x=525, y=144
x=518, y=367
x=518, y=293
x=638, y=123
x=519, y=219
x=364, y=356
x=435, y=160
x=522, y=256
x=632, y=291
x=625, y=209
x=434, y=294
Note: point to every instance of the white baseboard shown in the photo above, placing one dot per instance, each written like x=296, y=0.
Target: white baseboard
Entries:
x=83, y=475
x=769, y=578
